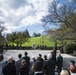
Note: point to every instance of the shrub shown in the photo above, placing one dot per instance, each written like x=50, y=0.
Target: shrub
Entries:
x=70, y=48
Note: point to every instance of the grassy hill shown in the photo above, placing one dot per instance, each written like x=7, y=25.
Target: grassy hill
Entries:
x=42, y=40
x=45, y=39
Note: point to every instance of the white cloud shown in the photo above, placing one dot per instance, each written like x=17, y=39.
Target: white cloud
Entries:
x=59, y=5
x=18, y=13
x=69, y=0
x=15, y=4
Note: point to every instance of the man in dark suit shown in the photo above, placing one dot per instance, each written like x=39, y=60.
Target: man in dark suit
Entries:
x=26, y=58
x=9, y=68
x=38, y=68
x=18, y=63
x=59, y=62
x=50, y=65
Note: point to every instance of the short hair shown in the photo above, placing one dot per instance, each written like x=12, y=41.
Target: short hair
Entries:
x=49, y=56
x=45, y=56
x=59, y=54
x=64, y=72
x=19, y=55
x=40, y=55
x=33, y=58
x=38, y=65
x=10, y=59
x=23, y=63
x=72, y=61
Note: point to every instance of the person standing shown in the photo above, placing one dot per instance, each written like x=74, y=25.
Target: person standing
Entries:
x=24, y=69
x=59, y=62
x=72, y=67
x=1, y=48
x=18, y=63
x=9, y=68
x=26, y=58
x=41, y=59
x=2, y=63
x=55, y=49
x=49, y=65
x=6, y=47
x=38, y=67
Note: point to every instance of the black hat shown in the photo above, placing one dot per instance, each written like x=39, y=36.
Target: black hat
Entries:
x=26, y=53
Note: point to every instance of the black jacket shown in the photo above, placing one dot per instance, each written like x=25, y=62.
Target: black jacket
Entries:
x=50, y=67
x=24, y=71
x=9, y=69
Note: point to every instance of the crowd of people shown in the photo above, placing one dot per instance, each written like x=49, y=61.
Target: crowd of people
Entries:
x=46, y=65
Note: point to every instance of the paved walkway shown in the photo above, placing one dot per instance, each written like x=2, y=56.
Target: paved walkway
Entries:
x=32, y=53
x=67, y=59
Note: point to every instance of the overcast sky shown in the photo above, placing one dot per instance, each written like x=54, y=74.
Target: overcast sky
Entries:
x=19, y=15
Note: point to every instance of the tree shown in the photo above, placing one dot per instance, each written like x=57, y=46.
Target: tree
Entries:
x=2, y=28
x=66, y=14
x=2, y=39
x=36, y=34
x=58, y=36
x=11, y=37
x=39, y=34
x=17, y=37
x=27, y=33
x=63, y=16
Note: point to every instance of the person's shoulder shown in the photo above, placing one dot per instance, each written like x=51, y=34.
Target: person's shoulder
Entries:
x=18, y=60
x=23, y=57
x=28, y=57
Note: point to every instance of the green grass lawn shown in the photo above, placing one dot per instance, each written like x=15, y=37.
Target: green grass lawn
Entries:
x=38, y=41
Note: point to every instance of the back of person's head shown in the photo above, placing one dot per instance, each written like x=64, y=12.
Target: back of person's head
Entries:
x=10, y=59
x=72, y=69
x=49, y=56
x=38, y=58
x=33, y=58
x=19, y=55
x=64, y=72
x=26, y=53
x=1, y=57
x=38, y=65
x=59, y=54
x=23, y=63
x=40, y=55
x=72, y=62
x=45, y=56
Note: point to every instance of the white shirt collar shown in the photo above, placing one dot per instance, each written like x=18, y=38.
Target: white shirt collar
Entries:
x=38, y=72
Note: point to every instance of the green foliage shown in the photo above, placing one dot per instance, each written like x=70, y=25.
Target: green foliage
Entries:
x=2, y=39
x=36, y=34
x=70, y=48
x=37, y=40
x=18, y=37
x=65, y=19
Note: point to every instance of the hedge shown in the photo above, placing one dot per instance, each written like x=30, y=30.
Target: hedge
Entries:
x=70, y=48
x=29, y=47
